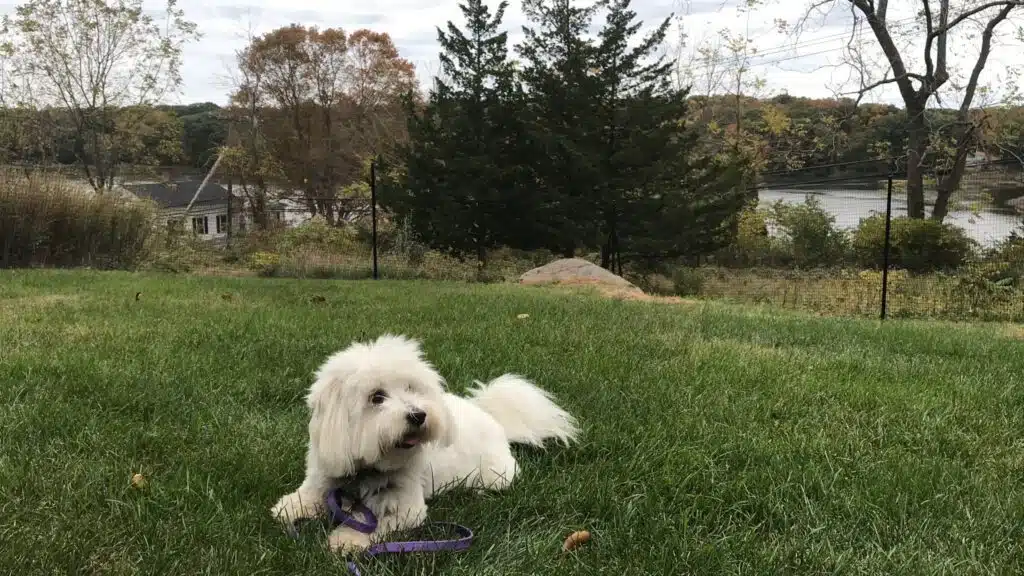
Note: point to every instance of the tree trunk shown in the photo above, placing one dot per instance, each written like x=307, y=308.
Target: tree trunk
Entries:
x=948, y=183
x=941, y=207
x=259, y=204
x=917, y=144
x=481, y=254
x=611, y=235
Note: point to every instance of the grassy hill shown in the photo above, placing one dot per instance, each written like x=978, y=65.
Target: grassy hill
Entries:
x=718, y=440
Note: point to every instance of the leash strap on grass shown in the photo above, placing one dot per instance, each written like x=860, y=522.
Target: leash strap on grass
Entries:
x=368, y=523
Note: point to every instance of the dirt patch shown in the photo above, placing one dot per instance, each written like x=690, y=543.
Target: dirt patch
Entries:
x=36, y=302
x=41, y=300
x=11, y=308
x=224, y=272
x=1014, y=331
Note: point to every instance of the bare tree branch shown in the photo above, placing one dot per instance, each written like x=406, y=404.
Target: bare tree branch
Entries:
x=984, y=51
x=890, y=50
x=1011, y=4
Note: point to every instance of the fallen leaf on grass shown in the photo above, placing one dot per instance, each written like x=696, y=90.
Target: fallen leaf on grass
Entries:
x=575, y=540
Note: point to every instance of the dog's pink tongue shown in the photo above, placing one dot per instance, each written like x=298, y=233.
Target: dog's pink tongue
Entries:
x=412, y=441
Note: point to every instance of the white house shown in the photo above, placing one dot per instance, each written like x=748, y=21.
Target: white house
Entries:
x=210, y=212
x=209, y=215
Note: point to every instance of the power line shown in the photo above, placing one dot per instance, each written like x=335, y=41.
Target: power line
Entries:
x=739, y=62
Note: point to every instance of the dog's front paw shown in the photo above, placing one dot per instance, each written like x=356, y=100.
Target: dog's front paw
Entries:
x=295, y=506
x=348, y=541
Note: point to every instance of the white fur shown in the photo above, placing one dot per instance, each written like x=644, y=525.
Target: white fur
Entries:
x=464, y=441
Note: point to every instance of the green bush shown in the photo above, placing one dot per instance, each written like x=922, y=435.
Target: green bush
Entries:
x=45, y=220
x=265, y=263
x=177, y=251
x=752, y=245
x=805, y=237
x=917, y=245
x=1005, y=261
x=687, y=282
x=317, y=234
x=810, y=233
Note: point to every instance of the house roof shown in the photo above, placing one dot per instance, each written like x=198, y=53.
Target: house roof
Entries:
x=177, y=194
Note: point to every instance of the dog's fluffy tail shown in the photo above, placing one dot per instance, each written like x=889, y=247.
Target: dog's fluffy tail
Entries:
x=528, y=414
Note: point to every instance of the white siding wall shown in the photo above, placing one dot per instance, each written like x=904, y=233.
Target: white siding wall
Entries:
x=294, y=213
x=208, y=214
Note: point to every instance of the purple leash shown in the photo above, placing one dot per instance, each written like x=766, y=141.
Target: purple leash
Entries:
x=369, y=523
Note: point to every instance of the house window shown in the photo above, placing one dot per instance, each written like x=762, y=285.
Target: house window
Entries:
x=222, y=223
x=200, y=225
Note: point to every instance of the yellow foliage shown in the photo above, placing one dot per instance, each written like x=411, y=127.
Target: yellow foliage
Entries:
x=264, y=262
x=775, y=120
x=874, y=278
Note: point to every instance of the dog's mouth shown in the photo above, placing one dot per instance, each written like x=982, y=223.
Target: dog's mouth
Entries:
x=410, y=440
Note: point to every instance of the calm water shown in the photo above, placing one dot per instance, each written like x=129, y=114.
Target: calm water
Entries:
x=850, y=205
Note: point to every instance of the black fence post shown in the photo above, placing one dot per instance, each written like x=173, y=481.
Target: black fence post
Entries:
x=230, y=215
x=373, y=214
x=888, y=238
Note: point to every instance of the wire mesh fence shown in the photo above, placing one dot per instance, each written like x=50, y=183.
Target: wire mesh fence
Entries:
x=846, y=245
x=830, y=240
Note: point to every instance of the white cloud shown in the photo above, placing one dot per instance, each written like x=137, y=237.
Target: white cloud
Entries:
x=805, y=68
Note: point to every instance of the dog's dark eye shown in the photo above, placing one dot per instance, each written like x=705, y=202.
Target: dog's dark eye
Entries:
x=378, y=397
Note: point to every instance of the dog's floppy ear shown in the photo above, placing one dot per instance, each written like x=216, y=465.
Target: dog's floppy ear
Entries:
x=330, y=434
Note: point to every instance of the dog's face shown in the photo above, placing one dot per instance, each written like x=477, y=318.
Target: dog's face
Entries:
x=374, y=405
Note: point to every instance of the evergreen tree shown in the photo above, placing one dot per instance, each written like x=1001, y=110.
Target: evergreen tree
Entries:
x=562, y=132
x=659, y=196
x=460, y=192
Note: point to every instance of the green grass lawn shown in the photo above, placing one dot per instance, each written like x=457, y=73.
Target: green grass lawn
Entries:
x=717, y=440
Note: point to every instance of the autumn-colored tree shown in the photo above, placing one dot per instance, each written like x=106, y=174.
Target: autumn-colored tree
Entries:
x=106, y=62
x=378, y=77
x=246, y=156
x=319, y=104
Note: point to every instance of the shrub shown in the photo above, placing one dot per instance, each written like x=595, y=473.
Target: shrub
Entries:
x=805, y=236
x=265, y=263
x=177, y=251
x=917, y=245
x=317, y=234
x=752, y=246
x=811, y=235
x=687, y=282
x=46, y=221
x=1005, y=261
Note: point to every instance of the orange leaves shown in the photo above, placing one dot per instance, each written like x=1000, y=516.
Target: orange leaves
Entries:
x=320, y=101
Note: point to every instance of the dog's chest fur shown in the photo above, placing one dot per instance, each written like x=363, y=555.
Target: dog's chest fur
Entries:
x=364, y=484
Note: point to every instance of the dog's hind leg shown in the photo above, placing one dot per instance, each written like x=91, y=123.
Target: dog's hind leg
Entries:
x=497, y=471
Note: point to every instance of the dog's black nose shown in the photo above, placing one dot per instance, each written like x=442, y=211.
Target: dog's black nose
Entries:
x=416, y=417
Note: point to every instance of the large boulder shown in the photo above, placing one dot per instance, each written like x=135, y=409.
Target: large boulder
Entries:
x=576, y=271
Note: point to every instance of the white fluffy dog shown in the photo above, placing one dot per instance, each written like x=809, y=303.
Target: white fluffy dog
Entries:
x=383, y=427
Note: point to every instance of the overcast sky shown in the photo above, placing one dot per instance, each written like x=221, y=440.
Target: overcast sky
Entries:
x=801, y=67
